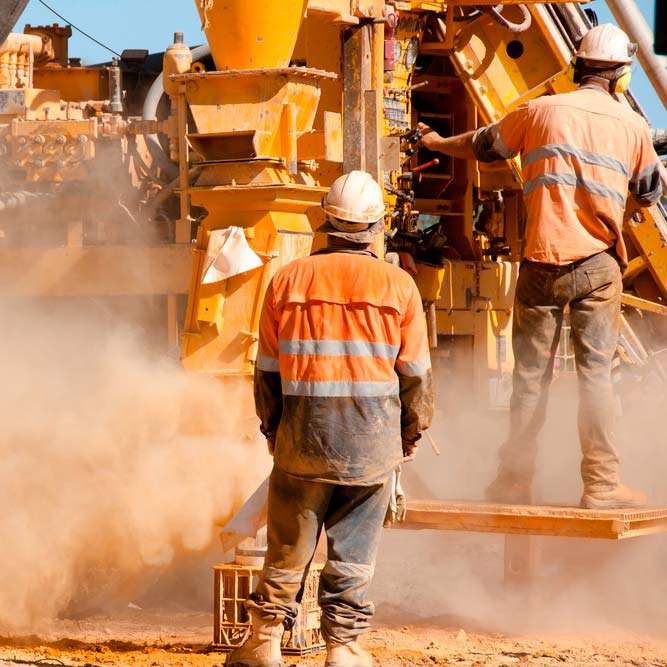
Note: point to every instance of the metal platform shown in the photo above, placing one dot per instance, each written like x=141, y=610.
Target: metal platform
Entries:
x=533, y=519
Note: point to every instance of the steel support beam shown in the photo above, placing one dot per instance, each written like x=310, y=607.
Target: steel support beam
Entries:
x=10, y=10
x=631, y=20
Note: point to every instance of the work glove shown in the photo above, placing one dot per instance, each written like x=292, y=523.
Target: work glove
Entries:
x=397, y=505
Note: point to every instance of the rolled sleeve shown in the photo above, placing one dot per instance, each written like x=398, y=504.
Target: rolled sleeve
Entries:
x=646, y=181
x=268, y=402
x=503, y=139
x=267, y=387
x=646, y=186
x=413, y=367
x=416, y=405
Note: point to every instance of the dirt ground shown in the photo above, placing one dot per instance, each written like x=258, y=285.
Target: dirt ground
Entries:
x=177, y=638
x=440, y=597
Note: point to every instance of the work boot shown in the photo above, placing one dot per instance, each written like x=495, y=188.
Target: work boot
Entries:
x=509, y=490
x=262, y=649
x=347, y=655
x=617, y=497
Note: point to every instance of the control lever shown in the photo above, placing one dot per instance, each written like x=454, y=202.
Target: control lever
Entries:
x=408, y=196
x=407, y=175
x=413, y=138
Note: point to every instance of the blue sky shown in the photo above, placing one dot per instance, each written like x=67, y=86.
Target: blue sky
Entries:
x=150, y=24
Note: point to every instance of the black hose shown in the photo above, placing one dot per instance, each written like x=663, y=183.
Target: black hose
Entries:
x=168, y=191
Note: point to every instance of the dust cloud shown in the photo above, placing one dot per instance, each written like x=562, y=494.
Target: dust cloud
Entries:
x=580, y=588
x=113, y=460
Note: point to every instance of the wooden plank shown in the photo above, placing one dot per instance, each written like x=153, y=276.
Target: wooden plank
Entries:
x=534, y=519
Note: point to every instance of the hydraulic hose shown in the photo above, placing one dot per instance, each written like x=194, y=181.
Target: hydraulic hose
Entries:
x=168, y=191
x=512, y=27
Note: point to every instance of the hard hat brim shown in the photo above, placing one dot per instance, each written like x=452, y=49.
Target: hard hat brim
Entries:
x=364, y=236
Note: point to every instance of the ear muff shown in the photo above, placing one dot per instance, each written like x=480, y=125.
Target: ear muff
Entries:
x=620, y=82
x=574, y=69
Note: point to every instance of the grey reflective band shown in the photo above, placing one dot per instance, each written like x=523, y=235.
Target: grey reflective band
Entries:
x=329, y=389
x=646, y=185
x=488, y=145
x=587, y=157
x=339, y=348
x=413, y=368
x=498, y=144
x=348, y=570
x=267, y=364
x=593, y=187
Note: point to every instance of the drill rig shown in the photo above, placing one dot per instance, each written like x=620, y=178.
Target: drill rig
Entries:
x=227, y=154
x=174, y=185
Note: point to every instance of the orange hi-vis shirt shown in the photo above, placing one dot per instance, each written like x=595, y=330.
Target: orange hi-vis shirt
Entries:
x=343, y=372
x=580, y=154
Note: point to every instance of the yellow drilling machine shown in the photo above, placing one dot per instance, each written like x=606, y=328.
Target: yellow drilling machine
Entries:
x=174, y=185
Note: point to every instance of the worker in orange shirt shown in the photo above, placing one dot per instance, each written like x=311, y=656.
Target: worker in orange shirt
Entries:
x=343, y=390
x=581, y=152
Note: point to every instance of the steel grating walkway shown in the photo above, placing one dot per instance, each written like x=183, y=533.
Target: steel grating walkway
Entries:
x=533, y=519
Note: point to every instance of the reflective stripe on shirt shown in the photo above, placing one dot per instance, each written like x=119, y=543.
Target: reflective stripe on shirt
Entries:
x=269, y=364
x=588, y=157
x=305, y=388
x=338, y=348
x=592, y=187
x=414, y=368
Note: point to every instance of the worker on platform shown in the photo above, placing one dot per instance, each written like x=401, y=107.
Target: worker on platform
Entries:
x=343, y=390
x=580, y=154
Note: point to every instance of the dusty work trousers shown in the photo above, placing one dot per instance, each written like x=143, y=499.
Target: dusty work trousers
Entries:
x=352, y=517
x=592, y=287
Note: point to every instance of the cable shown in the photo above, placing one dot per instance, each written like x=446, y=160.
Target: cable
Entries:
x=83, y=32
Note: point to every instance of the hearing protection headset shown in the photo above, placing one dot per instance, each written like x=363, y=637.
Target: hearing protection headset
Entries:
x=619, y=82
x=574, y=69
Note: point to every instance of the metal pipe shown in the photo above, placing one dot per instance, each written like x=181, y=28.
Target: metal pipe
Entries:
x=10, y=11
x=168, y=191
x=183, y=225
x=115, y=87
x=630, y=19
x=431, y=325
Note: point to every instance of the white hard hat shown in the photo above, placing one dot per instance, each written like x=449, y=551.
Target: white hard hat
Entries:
x=354, y=201
x=606, y=44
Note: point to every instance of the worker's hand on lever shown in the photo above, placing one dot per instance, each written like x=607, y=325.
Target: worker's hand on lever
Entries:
x=429, y=138
x=409, y=451
x=458, y=145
